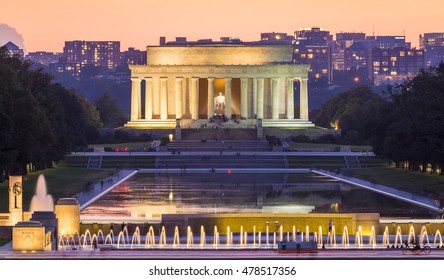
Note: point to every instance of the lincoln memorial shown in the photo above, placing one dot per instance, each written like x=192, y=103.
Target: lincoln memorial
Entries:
x=181, y=85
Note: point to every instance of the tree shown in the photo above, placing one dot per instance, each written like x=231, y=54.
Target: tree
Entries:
x=39, y=121
x=110, y=113
x=416, y=130
x=358, y=112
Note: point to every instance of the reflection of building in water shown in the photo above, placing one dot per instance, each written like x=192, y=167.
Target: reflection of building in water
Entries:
x=219, y=102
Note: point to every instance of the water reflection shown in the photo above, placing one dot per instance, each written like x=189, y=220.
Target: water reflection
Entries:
x=147, y=196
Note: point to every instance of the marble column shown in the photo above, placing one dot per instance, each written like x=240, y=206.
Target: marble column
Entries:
x=178, y=93
x=135, y=98
x=228, y=97
x=163, y=98
x=260, y=98
x=254, y=97
x=290, y=99
x=210, y=97
x=275, y=98
x=148, y=98
x=244, y=97
x=194, y=102
x=303, y=99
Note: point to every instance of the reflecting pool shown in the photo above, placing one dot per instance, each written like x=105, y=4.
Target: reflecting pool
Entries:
x=145, y=197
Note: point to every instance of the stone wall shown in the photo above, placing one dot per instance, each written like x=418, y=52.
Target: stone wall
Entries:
x=274, y=221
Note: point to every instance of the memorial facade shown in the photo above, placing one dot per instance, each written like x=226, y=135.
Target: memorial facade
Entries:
x=182, y=84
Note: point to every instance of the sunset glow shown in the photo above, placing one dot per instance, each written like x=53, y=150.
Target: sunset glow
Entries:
x=46, y=24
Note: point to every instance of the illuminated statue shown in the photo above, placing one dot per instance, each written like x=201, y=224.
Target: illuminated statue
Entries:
x=219, y=102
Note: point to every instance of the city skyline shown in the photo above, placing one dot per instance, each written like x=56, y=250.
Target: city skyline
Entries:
x=47, y=24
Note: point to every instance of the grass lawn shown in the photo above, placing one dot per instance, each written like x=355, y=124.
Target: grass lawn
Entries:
x=124, y=145
x=61, y=182
x=415, y=182
x=325, y=162
x=326, y=147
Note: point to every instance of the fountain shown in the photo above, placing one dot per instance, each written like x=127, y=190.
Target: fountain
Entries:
x=345, y=238
x=437, y=234
x=162, y=238
x=216, y=241
x=108, y=239
x=190, y=238
x=41, y=201
x=320, y=242
x=423, y=235
x=398, y=236
x=203, y=237
x=411, y=237
x=136, y=240
x=241, y=235
x=386, y=237
x=331, y=237
x=136, y=237
x=229, y=243
x=372, y=239
x=150, y=238
x=120, y=237
x=254, y=236
x=358, y=238
x=176, y=238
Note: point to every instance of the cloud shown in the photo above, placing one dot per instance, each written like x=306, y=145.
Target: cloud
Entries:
x=8, y=33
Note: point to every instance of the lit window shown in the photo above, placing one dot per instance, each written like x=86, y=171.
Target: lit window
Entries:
x=324, y=71
x=401, y=53
x=393, y=73
x=317, y=76
x=303, y=55
x=310, y=56
x=376, y=63
x=324, y=50
x=393, y=58
x=310, y=50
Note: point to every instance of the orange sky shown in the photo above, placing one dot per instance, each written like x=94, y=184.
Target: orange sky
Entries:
x=46, y=24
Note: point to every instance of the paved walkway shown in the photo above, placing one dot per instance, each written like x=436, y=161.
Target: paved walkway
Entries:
x=415, y=199
x=101, y=188
x=251, y=153
x=224, y=170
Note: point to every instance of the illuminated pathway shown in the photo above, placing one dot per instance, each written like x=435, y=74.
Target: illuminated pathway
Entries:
x=101, y=188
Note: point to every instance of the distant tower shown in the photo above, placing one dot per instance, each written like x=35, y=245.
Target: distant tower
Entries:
x=15, y=199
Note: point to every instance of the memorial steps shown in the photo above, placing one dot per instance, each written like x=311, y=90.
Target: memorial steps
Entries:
x=219, y=145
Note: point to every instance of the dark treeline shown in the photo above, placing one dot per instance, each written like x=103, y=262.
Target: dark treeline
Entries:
x=40, y=121
x=405, y=124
